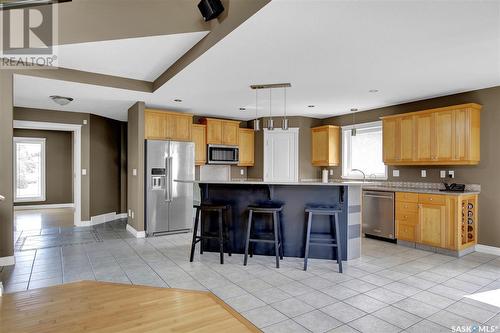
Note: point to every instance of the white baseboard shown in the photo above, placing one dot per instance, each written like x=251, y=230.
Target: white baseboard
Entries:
x=488, y=249
x=51, y=206
x=135, y=233
x=103, y=218
x=7, y=261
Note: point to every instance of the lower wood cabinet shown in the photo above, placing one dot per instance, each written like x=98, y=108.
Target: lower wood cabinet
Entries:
x=445, y=221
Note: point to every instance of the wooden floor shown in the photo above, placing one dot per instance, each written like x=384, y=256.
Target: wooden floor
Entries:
x=107, y=307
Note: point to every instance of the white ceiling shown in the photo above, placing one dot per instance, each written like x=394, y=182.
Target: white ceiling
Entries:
x=142, y=58
x=332, y=52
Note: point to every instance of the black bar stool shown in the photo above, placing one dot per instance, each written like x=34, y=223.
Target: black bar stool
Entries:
x=223, y=234
x=269, y=208
x=333, y=213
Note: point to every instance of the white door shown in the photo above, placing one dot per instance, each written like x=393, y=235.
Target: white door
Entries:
x=281, y=155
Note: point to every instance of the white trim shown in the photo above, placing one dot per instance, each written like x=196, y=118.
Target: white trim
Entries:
x=488, y=249
x=77, y=156
x=49, y=206
x=7, y=261
x=100, y=219
x=121, y=216
x=135, y=233
x=43, y=168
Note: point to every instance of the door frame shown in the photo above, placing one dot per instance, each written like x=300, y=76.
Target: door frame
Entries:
x=77, y=156
x=295, y=132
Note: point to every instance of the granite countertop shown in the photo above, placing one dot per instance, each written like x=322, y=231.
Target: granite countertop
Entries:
x=414, y=190
x=261, y=182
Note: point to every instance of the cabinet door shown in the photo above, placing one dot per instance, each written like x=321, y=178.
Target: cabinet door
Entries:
x=406, y=231
x=391, y=140
x=462, y=135
x=155, y=125
x=423, y=127
x=181, y=127
x=230, y=132
x=444, y=134
x=200, y=144
x=246, y=145
x=214, y=131
x=431, y=224
x=407, y=138
x=320, y=146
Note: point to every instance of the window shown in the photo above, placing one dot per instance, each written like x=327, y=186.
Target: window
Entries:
x=29, y=169
x=363, y=152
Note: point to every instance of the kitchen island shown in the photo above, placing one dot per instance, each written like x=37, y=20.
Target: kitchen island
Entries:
x=295, y=196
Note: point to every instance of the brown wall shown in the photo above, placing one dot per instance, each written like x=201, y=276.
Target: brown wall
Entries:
x=58, y=165
x=483, y=174
x=6, y=186
x=135, y=148
x=306, y=170
x=105, y=165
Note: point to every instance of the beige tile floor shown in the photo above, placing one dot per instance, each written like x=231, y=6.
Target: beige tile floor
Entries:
x=389, y=289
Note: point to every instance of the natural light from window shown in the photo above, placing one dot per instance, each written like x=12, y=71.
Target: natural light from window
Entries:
x=29, y=168
x=363, y=151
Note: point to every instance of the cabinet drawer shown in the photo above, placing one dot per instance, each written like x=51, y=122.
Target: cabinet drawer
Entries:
x=406, y=232
x=407, y=217
x=434, y=199
x=406, y=207
x=407, y=197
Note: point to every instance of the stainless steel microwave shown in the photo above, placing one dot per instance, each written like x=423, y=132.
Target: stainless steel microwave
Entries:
x=222, y=154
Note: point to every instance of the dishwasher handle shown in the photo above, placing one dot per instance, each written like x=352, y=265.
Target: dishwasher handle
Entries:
x=380, y=195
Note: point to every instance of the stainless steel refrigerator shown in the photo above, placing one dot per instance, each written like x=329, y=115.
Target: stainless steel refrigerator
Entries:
x=169, y=203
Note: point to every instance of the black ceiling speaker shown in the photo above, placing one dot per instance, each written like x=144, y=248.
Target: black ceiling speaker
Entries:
x=210, y=9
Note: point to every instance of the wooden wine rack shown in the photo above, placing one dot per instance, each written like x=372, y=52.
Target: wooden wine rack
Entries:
x=467, y=230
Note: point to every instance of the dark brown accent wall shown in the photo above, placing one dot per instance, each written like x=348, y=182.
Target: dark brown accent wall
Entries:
x=483, y=174
x=58, y=165
x=306, y=169
x=105, y=165
x=135, y=148
x=6, y=186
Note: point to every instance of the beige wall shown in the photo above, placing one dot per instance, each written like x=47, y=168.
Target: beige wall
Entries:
x=135, y=148
x=483, y=174
x=6, y=186
x=105, y=165
x=306, y=170
x=58, y=165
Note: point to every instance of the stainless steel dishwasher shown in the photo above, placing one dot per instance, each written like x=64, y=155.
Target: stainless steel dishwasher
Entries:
x=378, y=214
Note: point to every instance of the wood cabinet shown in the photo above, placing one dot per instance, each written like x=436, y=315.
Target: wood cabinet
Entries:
x=167, y=125
x=325, y=145
x=437, y=220
x=221, y=131
x=246, y=146
x=443, y=136
x=200, y=143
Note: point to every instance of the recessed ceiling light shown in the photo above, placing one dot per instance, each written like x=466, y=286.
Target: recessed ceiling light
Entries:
x=61, y=100
x=178, y=100
x=311, y=106
x=243, y=109
x=373, y=90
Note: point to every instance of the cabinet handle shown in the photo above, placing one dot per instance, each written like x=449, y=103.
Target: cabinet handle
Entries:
x=430, y=199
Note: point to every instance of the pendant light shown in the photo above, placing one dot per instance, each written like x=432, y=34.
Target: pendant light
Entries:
x=270, y=122
x=353, y=129
x=256, y=122
x=284, y=124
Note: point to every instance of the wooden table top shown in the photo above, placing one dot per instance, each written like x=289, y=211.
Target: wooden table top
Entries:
x=90, y=306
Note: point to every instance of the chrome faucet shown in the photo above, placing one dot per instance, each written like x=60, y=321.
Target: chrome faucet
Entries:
x=364, y=174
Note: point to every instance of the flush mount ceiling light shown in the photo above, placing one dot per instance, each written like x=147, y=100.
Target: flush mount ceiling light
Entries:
x=311, y=106
x=243, y=109
x=270, y=122
x=61, y=100
x=373, y=90
x=178, y=100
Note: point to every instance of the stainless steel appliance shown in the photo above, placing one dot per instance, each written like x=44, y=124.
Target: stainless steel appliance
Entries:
x=378, y=214
x=169, y=203
x=222, y=154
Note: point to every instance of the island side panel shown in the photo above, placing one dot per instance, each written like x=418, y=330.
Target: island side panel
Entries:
x=354, y=222
x=295, y=198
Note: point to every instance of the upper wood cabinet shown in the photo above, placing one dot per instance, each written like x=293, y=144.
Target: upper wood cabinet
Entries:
x=443, y=136
x=221, y=131
x=325, y=145
x=200, y=143
x=246, y=145
x=167, y=125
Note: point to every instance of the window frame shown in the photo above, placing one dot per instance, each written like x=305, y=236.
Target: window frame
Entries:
x=41, y=141
x=346, y=155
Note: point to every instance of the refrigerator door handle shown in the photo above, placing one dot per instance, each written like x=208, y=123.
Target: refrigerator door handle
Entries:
x=169, y=179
